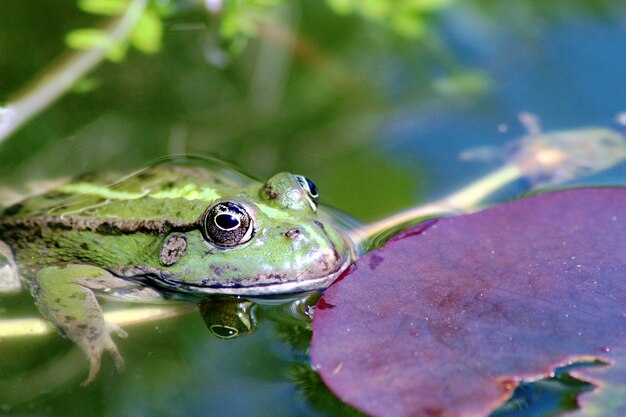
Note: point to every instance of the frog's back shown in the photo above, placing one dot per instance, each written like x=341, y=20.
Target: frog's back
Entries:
x=158, y=192
x=101, y=218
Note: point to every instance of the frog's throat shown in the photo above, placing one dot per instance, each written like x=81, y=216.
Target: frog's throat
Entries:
x=236, y=287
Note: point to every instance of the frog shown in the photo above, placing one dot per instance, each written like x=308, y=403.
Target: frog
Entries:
x=229, y=318
x=166, y=232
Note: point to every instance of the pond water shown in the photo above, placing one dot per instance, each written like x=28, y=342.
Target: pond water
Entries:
x=377, y=119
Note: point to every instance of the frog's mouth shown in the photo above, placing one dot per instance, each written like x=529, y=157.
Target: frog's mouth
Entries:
x=253, y=287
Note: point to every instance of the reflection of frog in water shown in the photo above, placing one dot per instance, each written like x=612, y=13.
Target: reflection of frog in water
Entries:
x=229, y=318
x=168, y=232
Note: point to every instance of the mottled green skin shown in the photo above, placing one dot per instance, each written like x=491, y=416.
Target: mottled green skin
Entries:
x=124, y=241
x=125, y=237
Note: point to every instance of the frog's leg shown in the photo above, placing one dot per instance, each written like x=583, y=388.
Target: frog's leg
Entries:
x=9, y=276
x=64, y=295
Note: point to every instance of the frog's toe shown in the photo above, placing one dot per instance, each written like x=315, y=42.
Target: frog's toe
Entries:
x=112, y=347
x=119, y=332
x=95, y=348
x=94, y=368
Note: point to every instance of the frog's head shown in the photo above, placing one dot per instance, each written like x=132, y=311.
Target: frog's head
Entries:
x=260, y=241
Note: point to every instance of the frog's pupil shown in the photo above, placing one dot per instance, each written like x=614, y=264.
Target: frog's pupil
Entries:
x=312, y=189
x=223, y=332
x=227, y=224
x=226, y=221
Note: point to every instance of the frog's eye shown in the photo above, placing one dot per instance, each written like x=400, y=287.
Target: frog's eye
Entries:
x=311, y=190
x=224, y=332
x=227, y=224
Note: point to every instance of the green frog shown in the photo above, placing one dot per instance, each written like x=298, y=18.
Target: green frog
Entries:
x=229, y=318
x=166, y=232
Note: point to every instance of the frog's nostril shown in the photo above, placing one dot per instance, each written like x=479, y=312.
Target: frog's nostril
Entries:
x=292, y=233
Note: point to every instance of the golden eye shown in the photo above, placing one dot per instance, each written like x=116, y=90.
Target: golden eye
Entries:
x=227, y=224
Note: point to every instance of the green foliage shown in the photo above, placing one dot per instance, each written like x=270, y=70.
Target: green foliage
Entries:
x=88, y=38
x=240, y=21
x=404, y=17
x=241, y=18
x=148, y=33
x=85, y=85
x=466, y=83
x=145, y=36
x=104, y=7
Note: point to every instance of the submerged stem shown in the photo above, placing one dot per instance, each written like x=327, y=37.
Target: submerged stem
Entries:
x=38, y=326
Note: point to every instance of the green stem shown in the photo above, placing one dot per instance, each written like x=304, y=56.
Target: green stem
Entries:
x=465, y=200
x=63, y=73
x=544, y=158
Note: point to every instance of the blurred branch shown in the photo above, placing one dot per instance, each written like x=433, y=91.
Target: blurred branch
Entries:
x=64, y=72
x=309, y=53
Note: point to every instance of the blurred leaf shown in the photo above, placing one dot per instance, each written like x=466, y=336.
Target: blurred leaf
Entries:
x=88, y=38
x=241, y=18
x=405, y=17
x=86, y=85
x=409, y=25
x=146, y=36
x=341, y=6
x=104, y=7
x=117, y=53
x=466, y=83
x=374, y=9
x=430, y=5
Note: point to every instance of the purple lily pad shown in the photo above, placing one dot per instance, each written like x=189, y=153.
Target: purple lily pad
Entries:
x=448, y=317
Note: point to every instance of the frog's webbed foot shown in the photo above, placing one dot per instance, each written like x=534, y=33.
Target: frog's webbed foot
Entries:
x=95, y=348
x=65, y=297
